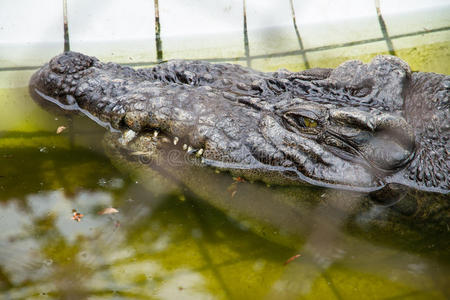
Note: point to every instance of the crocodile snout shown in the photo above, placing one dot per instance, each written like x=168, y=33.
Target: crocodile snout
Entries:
x=70, y=62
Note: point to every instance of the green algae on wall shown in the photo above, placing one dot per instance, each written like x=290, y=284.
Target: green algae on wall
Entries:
x=19, y=113
x=426, y=58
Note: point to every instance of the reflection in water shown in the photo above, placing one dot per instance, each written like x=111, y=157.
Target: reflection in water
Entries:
x=171, y=245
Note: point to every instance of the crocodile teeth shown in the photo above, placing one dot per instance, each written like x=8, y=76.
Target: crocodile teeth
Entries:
x=184, y=147
x=189, y=149
x=155, y=133
x=199, y=152
x=127, y=137
x=165, y=140
x=175, y=140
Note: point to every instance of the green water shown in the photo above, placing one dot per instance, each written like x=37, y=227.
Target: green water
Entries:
x=180, y=242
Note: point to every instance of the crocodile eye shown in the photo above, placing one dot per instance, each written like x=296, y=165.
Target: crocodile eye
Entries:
x=310, y=123
x=301, y=120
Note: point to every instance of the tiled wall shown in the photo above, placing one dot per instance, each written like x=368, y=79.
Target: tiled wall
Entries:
x=245, y=31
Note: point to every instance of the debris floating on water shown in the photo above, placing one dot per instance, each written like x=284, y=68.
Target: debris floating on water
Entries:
x=232, y=189
x=60, y=129
x=76, y=215
x=292, y=258
x=108, y=211
x=239, y=179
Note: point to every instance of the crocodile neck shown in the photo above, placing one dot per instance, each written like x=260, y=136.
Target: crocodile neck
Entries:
x=430, y=119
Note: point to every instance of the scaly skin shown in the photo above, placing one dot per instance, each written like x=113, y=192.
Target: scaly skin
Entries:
x=358, y=127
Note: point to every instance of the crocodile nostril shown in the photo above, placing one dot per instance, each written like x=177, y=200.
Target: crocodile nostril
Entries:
x=397, y=129
x=71, y=62
x=386, y=153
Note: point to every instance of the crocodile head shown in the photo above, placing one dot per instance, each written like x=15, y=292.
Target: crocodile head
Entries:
x=359, y=126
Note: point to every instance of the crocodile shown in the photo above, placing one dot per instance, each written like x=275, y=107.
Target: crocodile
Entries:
x=358, y=127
